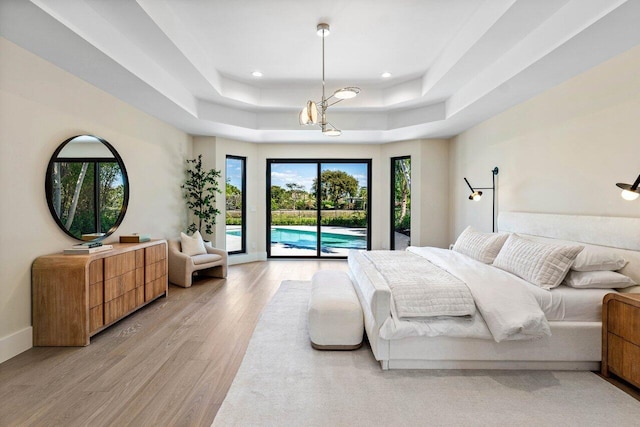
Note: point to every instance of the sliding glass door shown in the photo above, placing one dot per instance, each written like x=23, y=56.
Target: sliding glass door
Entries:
x=400, y=202
x=293, y=217
x=317, y=208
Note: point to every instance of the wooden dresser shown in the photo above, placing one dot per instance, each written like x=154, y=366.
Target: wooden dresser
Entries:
x=77, y=296
x=621, y=337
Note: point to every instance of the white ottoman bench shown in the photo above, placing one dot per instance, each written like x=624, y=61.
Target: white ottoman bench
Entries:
x=335, y=315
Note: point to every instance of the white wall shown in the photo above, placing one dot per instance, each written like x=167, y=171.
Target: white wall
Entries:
x=41, y=106
x=560, y=152
x=429, y=195
x=214, y=152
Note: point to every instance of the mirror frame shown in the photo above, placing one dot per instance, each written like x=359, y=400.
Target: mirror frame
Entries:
x=125, y=181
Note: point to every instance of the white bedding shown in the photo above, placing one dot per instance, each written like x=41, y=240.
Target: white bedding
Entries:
x=560, y=304
x=511, y=313
x=570, y=304
x=507, y=307
x=566, y=303
x=420, y=289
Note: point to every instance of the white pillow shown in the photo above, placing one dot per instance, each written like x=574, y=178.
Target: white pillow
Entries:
x=483, y=247
x=192, y=245
x=542, y=264
x=598, y=280
x=595, y=259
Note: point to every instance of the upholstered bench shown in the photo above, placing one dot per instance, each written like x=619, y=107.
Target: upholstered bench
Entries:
x=335, y=315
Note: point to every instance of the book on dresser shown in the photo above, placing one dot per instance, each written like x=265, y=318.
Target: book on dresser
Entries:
x=134, y=238
x=87, y=245
x=83, y=250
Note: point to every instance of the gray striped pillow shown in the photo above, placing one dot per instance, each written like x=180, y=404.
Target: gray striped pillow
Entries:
x=542, y=264
x=483, y=247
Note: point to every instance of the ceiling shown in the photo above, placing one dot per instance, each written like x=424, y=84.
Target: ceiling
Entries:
x=454, y=63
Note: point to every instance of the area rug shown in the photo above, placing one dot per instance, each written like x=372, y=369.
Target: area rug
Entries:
x=282, y=381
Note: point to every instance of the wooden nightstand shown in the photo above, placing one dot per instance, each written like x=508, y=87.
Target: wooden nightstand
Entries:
x=621, y=337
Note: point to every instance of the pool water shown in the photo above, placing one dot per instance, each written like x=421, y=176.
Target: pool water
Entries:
x=307, y=239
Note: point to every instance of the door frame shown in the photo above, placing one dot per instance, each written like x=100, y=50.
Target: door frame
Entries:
x=318, y=163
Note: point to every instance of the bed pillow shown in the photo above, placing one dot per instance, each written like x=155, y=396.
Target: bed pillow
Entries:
x=192, y=245
x=542, y=264
x=603, y=279
x=595, y=259
x=483, y=247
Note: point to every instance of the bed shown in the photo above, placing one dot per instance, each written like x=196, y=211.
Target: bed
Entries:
x=572, y=340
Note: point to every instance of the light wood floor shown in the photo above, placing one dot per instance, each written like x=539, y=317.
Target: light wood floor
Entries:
x=170, y=363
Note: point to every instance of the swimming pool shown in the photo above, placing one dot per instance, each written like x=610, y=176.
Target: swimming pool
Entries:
x=307, y=239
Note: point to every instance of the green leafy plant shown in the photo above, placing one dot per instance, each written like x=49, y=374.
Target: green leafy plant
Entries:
x=200, y=188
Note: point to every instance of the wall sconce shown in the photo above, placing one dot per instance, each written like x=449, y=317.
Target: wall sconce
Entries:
x=477, y=195
x=630, y=192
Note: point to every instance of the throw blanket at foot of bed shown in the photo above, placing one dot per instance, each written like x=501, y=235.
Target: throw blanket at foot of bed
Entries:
x=420, y=289
x=508, y=308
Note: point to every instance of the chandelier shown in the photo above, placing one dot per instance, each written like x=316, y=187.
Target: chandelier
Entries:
x=315, y=113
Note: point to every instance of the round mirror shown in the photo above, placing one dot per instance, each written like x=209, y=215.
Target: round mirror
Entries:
x=87, y=187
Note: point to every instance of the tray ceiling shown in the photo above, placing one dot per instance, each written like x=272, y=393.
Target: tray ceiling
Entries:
x=453, y=63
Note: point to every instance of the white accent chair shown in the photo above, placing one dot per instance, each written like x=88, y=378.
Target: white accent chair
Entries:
x=182, y=266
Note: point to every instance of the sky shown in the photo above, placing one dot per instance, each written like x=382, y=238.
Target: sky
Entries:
x=300, y=173
x=304, y=173
x=234, y=172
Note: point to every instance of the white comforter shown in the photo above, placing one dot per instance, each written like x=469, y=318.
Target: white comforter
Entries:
x=508, y=309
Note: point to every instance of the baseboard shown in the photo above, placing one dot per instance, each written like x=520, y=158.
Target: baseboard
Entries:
x=538, y=365
x=245, y=258
x=14, y=344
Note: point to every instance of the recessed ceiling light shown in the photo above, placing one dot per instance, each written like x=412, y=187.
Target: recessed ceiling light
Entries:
x=385, y=75
x=256, y=74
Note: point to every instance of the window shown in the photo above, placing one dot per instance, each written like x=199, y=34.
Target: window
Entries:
x=235, y=212
x=400, y=202
x=318, y=208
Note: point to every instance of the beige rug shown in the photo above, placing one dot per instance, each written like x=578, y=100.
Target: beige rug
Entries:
x=284, y=382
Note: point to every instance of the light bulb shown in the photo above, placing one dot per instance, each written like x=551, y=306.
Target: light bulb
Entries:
x=629, y=195
x=312, y=111
x=347, y=92
x=332, y=132
x=475, y=196
x=304, y=116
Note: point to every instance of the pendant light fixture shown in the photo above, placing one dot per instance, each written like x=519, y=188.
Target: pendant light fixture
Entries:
x=315, y=113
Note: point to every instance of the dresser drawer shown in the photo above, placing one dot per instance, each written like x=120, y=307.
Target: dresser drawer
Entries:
x=623, y=359
x=140, y=258
x=155, y=271
x=623, y=320
x=96, y=271
x=96, y=294
x=118, y=265
x=119, y=285
x=96, y=318
x=155, y=254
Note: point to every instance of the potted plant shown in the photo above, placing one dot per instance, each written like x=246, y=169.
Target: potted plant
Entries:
x=200, y=188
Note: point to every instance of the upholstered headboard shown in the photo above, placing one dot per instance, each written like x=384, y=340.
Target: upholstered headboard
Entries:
x=622, y=235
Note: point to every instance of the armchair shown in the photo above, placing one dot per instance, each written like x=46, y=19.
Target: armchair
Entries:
x=182, y=266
